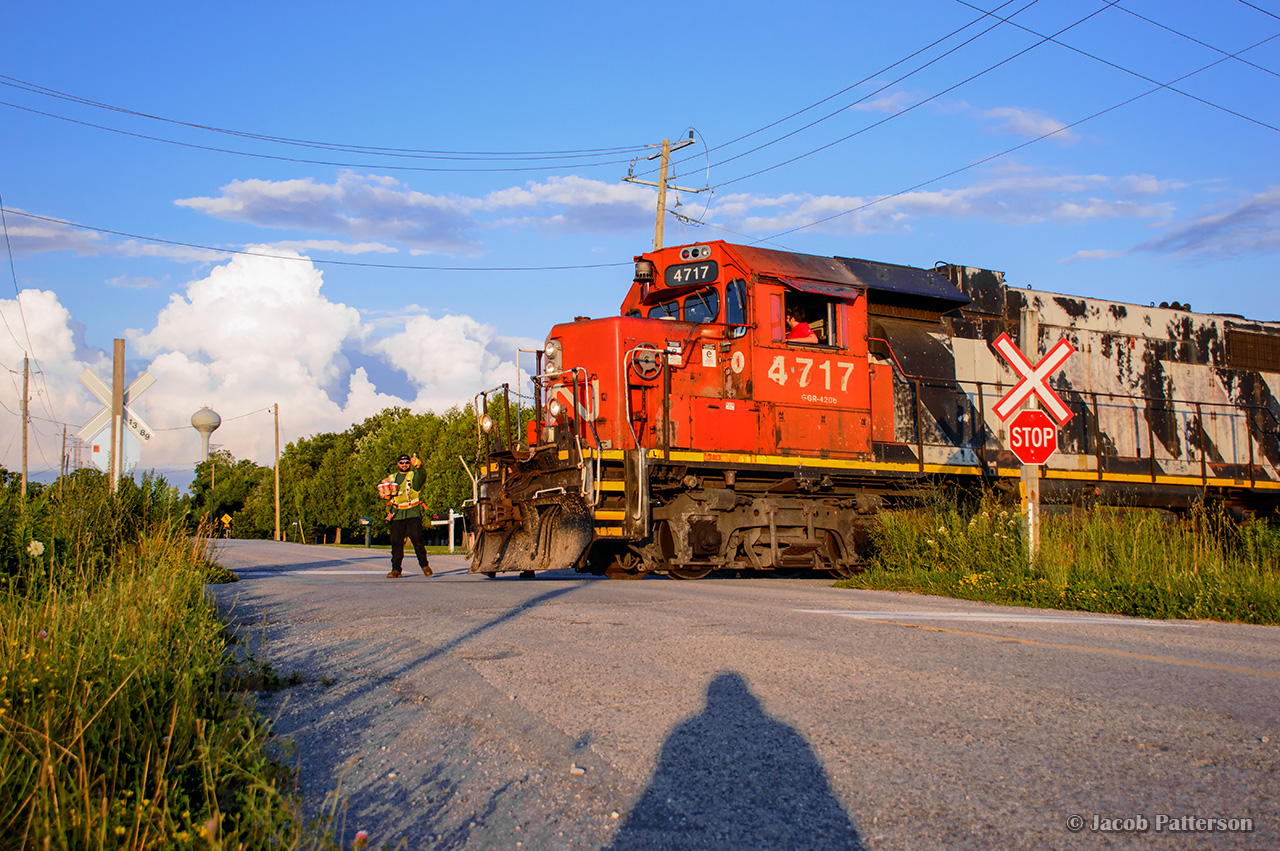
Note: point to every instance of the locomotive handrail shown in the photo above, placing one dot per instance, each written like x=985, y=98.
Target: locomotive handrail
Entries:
x=628, y=358
x=483, y=410
x=579, y=413
x=938, y=381
x=1260, y=421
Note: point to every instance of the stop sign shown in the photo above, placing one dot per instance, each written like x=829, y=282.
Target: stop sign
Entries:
x=1033, y=437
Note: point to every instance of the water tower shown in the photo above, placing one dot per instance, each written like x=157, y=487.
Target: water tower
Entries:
x=206, y=421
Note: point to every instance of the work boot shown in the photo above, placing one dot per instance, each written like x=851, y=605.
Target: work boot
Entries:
x=426, y=568
x=394, y=574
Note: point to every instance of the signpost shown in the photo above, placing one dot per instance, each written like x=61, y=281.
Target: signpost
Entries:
x=113, y=415
x=1033, y=436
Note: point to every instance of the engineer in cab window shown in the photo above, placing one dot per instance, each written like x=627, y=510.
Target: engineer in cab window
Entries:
x=798, y=331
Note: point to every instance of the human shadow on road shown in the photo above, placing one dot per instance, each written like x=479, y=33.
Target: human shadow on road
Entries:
x=734, y=778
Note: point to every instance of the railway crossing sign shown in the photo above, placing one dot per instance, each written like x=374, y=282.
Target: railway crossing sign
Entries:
x=101, y=421
x=1033, y=437
x=1034, y=379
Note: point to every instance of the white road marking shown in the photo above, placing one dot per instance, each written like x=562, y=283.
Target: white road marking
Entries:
x=984, y=617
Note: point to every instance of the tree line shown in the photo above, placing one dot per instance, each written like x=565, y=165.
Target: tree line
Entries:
x=329, y=480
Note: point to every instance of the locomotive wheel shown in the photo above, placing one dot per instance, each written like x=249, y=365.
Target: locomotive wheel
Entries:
x=689, y=572
x=490, y=574
x=626, y=566
x=841, y=572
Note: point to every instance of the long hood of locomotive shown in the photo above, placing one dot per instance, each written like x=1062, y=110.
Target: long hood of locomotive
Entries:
x=1158, y=394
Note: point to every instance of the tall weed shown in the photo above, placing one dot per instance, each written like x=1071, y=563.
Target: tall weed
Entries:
x=1105, y=559
x=117, y=729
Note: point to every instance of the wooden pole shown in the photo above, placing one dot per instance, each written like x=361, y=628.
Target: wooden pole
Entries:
x=26, y=415
x=662, y=195
x=1029, y=490
x=116, y=457
x=277, y=471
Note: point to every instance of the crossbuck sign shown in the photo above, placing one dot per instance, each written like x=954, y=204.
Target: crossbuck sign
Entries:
x=129, y=417
x=1034, y=379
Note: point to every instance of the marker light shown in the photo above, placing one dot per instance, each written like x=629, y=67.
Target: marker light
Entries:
x=695, y=252
x=486, y=423
x=555, y=408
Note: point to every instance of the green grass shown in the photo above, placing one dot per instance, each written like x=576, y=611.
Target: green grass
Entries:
x=1098, y=559
x=120, y=721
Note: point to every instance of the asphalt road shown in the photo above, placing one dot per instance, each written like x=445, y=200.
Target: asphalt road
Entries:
x=571, y=712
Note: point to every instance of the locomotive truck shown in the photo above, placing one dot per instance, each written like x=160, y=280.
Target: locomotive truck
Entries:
x=688, y=434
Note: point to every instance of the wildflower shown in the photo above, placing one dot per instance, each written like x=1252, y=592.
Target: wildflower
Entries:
x=42, y=635
x=361, y=840
x=36, y=549
x=930, y=542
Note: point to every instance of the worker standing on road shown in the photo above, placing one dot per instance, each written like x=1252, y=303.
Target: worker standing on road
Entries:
x=403, y=492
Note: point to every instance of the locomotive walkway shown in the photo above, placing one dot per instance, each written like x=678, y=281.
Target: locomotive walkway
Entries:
x=571, y=712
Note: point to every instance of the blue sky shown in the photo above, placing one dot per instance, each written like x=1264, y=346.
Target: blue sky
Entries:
x=448, y=178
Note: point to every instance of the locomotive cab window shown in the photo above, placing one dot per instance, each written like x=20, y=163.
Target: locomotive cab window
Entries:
x=666, y=310
x=702, y=306
x=809, y=320
x=735, y=307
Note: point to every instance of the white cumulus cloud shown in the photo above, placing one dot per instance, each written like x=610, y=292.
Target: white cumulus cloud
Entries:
x=254, y=332
x=376, y=213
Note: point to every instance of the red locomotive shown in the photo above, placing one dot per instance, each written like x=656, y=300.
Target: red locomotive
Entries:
x=756, y=409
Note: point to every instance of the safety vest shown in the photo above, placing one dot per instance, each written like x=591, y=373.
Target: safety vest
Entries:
x=405, y=496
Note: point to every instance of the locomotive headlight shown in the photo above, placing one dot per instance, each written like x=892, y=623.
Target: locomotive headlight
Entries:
x=555, y=356
x=555, y=409
x=486, y=423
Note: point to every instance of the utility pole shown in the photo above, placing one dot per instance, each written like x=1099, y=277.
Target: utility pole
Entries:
x=665, y=155
x=277, y=471
x=26, y=414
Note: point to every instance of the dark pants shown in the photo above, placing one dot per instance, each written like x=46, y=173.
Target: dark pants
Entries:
x=411, y=527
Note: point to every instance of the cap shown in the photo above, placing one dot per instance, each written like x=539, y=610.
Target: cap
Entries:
x=402, y=458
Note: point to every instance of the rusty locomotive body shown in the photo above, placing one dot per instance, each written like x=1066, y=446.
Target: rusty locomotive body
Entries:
x=689, y=434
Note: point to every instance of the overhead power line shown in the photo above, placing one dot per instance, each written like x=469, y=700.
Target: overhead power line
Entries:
x=35, y=88
x=45, y=397
x=1131, y=72
x=314, y=260
x=1018, y=147
x=863, y=81
x=851, y=87
x=918, y=104
x=1239, y=59
x=1260, y=9
x=304, y=161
